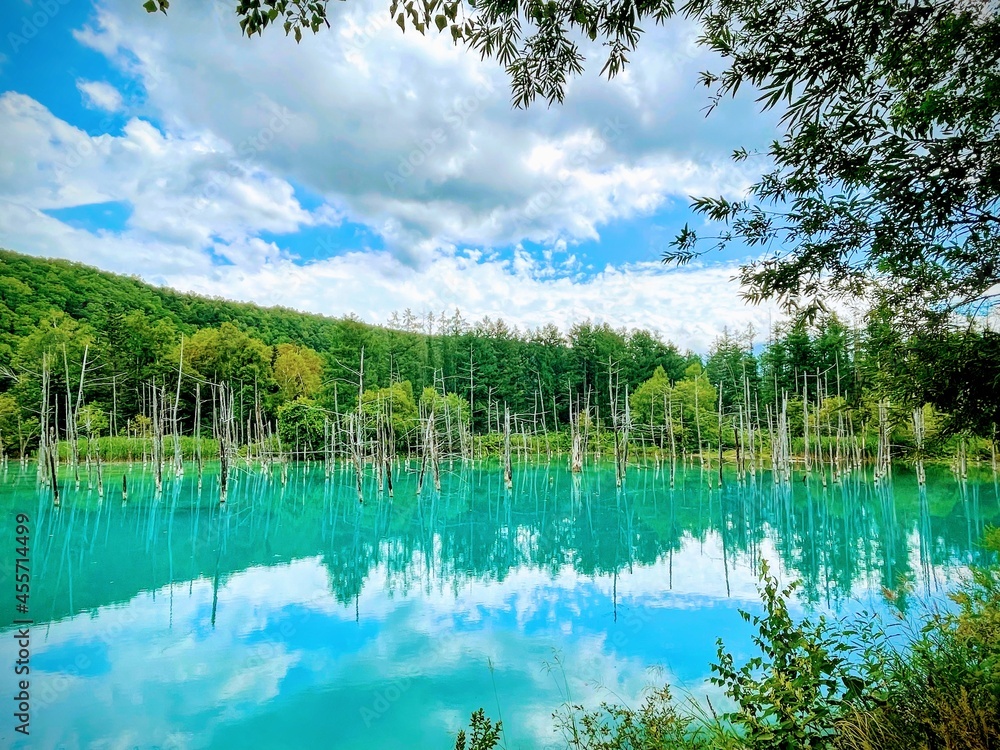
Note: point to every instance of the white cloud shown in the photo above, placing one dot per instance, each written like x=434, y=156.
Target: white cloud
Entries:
x=195, y=200
x=192, y=190
x=689, y=306
x=158, y=651
x=23, y=228
x=418, y=134
x=100, y=95
x=408, y=136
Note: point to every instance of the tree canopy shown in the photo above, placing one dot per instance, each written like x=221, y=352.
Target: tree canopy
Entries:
x=888, y=170
x=292, y=370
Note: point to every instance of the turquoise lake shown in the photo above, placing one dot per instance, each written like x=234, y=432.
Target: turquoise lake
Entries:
x=295, y=617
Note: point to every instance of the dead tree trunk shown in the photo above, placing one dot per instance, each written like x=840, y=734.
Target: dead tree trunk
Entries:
x=197, y=432
x=508, y=476
x=157, y=443
x=178, y=458
x=53, y=468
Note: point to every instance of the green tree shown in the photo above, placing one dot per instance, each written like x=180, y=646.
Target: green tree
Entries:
x=136, y=349
x=298, y=371
x=17, y=429
x=432, y=401
x=650, y=401
x=227, y=354
x=732, y=367
x=597, y=351
x=697, y=399
x=785, y=361
x=887, y=171
x=91, y=421
x=61, y=342
x=395, y=402
x=644, y=352
x=301, y=424
x=15, y=295
x=55, y=336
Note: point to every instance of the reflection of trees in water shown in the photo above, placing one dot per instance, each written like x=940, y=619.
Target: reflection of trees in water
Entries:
x=833, y=537
x=857, y=532
x=475, y=529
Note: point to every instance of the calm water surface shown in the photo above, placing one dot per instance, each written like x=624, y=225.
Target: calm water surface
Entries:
x=293, y=617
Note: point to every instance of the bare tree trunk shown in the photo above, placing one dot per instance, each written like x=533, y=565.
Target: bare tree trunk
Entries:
x=71, y=415
x=805, y=423
x=720, y=433
x=157, y=444
x=358, y=432
x=54, y=469
x=673, y=440
x=697, y=422
x=100, y=472
x=918, y=436
x=178, y=458
x=43, y=440
x=197, y=432
x=508, y=476
x=576, y=437
x=225, y=430
x=883, y=461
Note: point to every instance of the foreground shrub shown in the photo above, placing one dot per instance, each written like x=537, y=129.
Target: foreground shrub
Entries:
x=825, y=686
x=946, y=692
x=657, y=724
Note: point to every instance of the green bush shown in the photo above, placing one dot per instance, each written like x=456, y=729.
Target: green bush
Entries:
x=945, y=693
x=789, y=696
x=825, y=686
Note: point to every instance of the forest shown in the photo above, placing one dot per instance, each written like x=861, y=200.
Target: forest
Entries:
x=90, y=354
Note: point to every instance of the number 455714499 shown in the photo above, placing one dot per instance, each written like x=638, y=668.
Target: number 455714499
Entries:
x=22, y=572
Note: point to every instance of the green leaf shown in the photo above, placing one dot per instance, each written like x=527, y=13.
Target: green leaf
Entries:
x=150, y=6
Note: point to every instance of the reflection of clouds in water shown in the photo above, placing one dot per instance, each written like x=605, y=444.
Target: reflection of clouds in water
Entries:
x=280, y=634
x=450, y=617
x=259, y=681
x=698, y=580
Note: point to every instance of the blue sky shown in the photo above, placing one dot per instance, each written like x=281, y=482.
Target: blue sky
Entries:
x=365, y=171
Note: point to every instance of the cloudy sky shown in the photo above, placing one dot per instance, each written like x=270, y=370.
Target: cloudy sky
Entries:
x=365, y=171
